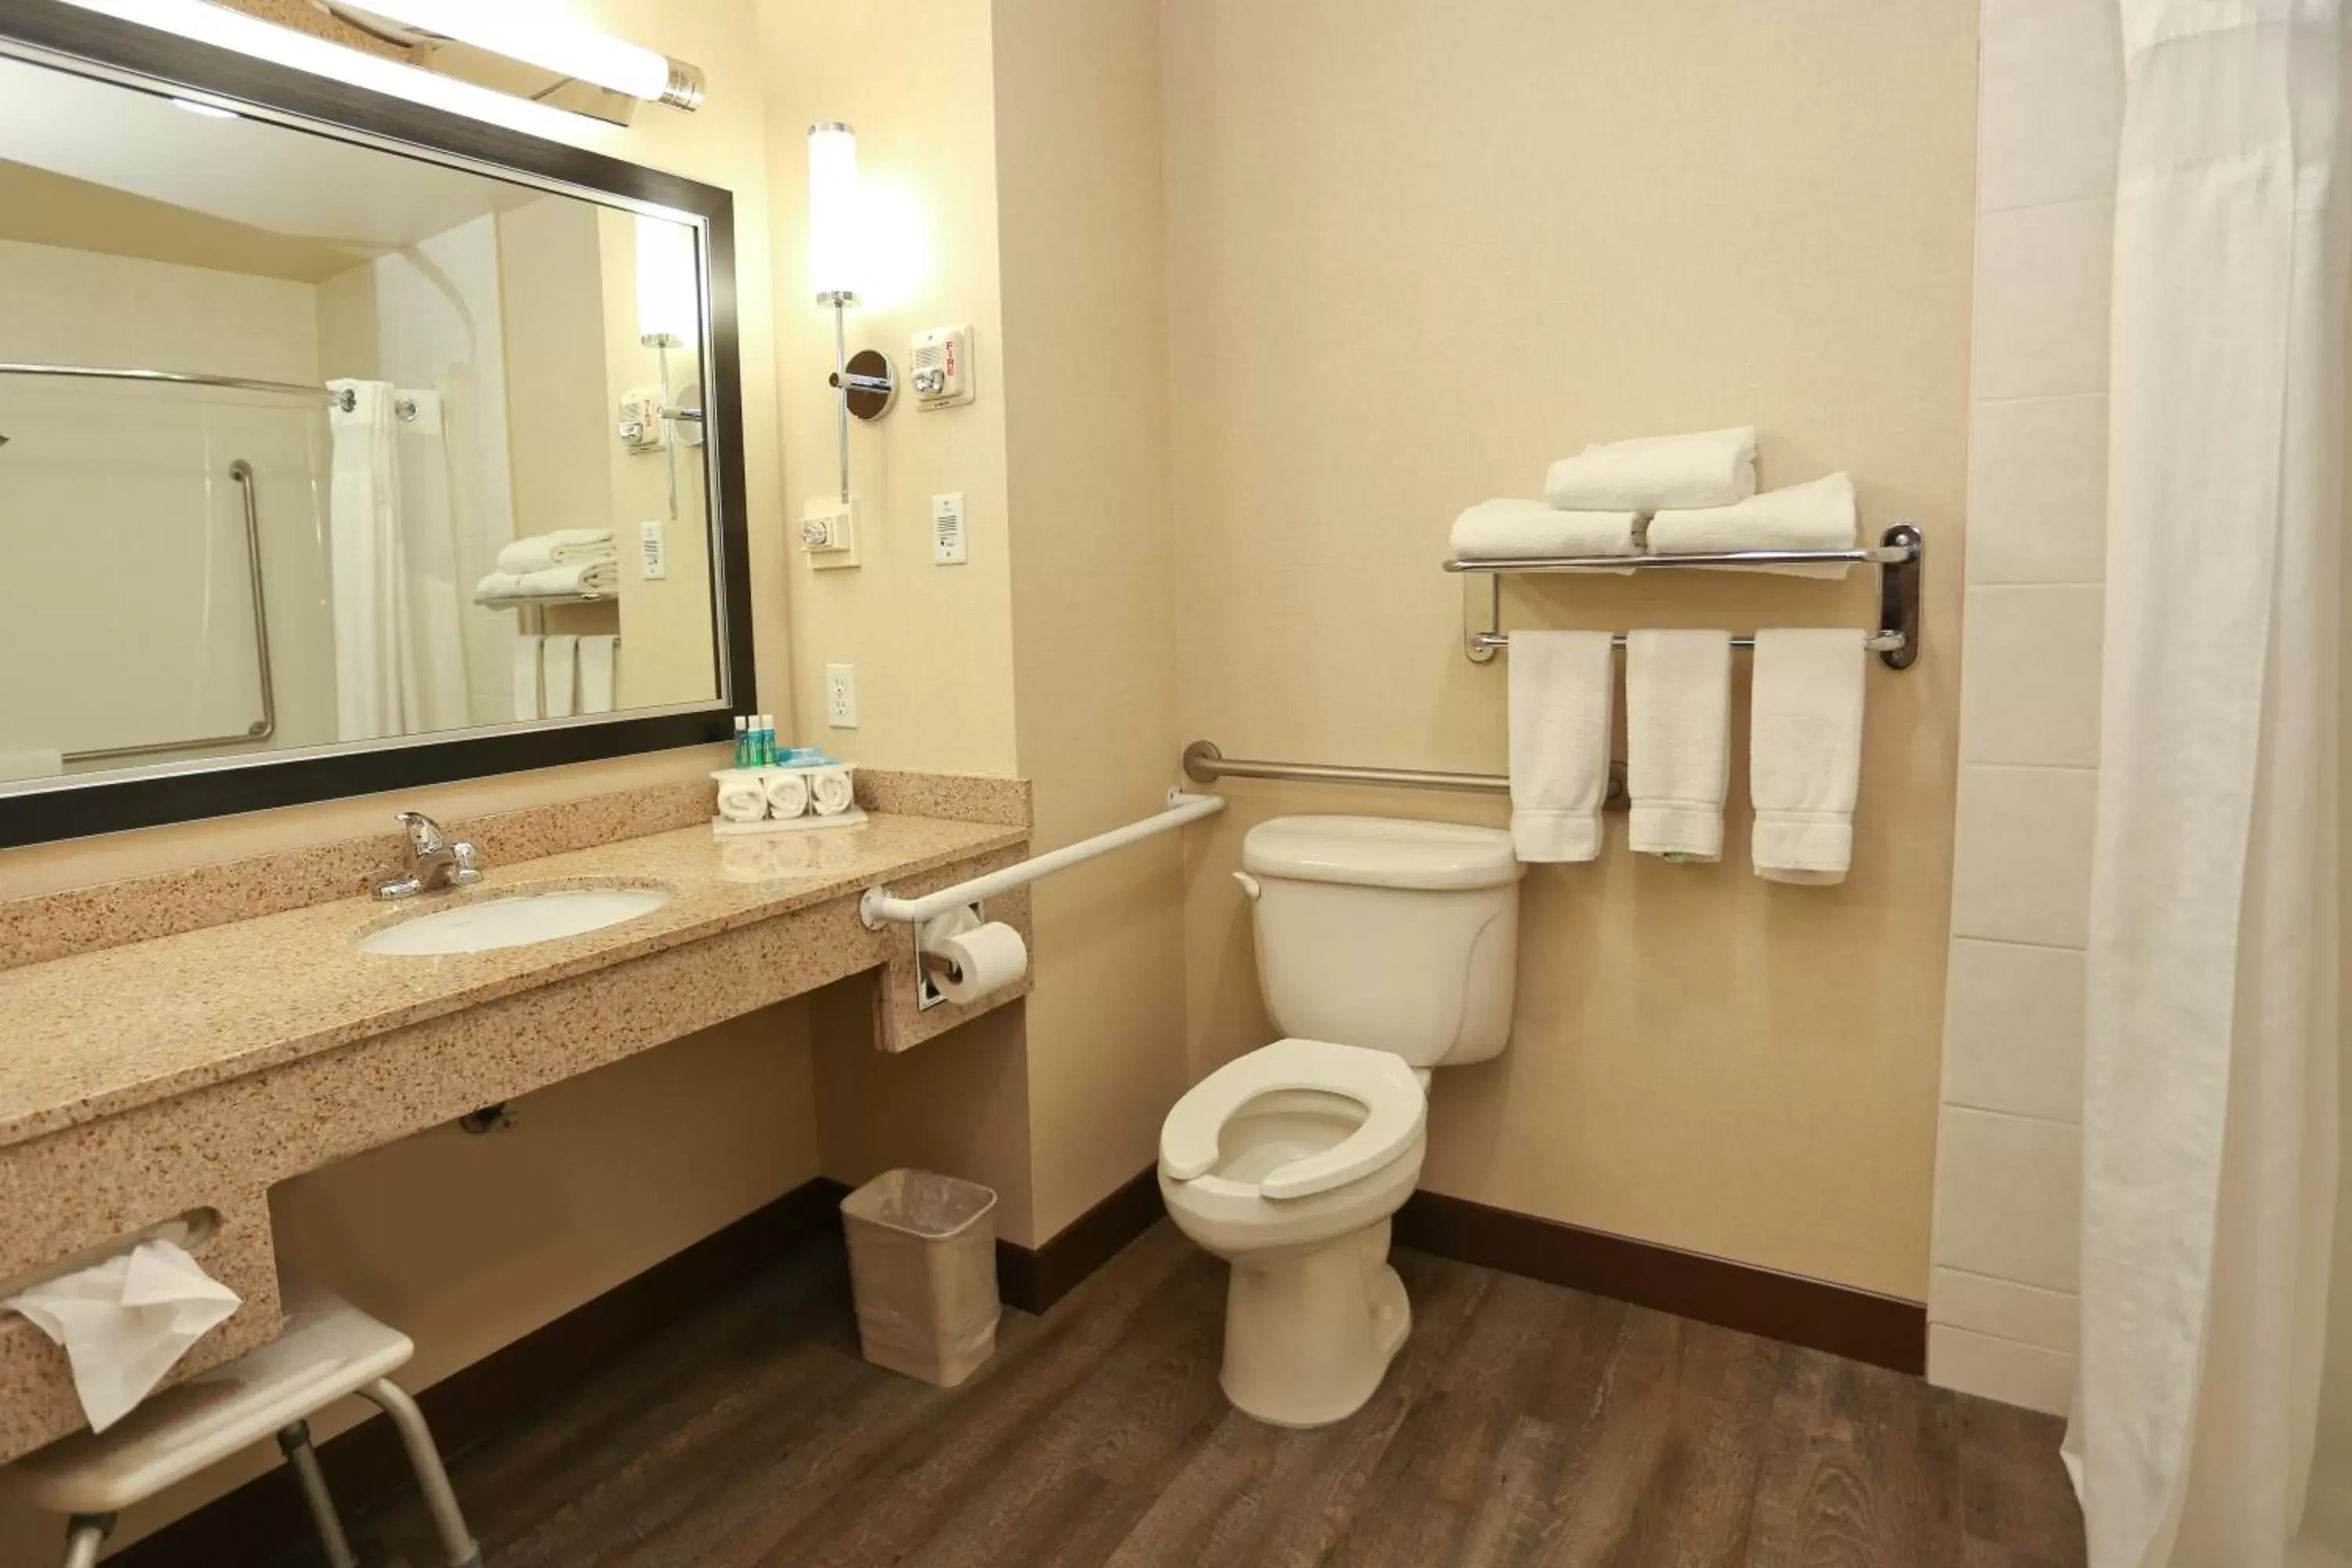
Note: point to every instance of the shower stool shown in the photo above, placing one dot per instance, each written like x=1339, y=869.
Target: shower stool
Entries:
x=329, y=1348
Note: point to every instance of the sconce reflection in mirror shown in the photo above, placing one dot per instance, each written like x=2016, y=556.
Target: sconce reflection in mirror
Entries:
x=864, y=382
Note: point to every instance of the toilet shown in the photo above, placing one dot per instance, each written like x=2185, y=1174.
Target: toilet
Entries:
x=1384, y=949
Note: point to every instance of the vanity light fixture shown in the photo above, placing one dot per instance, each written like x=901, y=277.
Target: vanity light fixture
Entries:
x=536, y=35
x=866, y=382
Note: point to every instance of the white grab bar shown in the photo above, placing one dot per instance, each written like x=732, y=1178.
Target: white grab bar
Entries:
x=877, y=907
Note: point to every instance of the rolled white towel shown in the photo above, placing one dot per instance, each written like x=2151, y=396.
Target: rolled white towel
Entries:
x=742, y=796
x=788, y=792
x=1711, y=468
x=1517, y=529
x=1820, y=515
x=580, y=577
x=831, y=791
x=563, y=547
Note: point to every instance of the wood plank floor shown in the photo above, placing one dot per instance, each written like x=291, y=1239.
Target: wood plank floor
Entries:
x=1522, y=1425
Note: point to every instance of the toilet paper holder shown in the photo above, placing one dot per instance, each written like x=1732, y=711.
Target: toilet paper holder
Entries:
x=932, y=967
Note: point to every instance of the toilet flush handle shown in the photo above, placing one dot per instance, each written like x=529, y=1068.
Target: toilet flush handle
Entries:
x=1249, y=883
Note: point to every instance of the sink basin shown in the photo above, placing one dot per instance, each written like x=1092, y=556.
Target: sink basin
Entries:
x=482, y=925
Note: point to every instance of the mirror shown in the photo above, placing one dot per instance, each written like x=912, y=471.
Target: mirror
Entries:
x=310, y=447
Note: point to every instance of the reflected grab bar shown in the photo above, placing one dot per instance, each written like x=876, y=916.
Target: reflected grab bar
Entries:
x=877, y=907
x=266, y=726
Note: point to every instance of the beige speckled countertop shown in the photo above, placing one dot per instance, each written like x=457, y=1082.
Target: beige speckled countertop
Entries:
x=95, y=1034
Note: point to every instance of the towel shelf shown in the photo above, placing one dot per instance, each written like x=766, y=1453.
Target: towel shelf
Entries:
x=534, y=601
x=1899, y=555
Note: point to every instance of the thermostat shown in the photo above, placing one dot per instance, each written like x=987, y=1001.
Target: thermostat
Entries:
x=942, y=367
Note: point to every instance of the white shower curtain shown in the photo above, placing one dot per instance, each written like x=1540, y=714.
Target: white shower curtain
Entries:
x=2210, y=1105
x=399, y=639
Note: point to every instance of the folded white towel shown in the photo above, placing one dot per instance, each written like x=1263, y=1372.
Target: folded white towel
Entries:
x=496, y=585
x=1804, y=752
x=1515, y=529
x=579, y=577
x=564, y=547
x=1563, y=690
x=1712, y=468
x=528, y=650
x=1678, y=745
x=742, y=796
x=599, y=672
x=32, y=762
x=1820, y=515
x=558, y=676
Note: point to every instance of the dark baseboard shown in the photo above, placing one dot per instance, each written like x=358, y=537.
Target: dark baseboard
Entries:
x=1034, y=1279
x=365, y=1466
x=1881, y=1330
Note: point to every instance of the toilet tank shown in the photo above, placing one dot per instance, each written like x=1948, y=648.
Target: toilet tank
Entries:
x=1397, y=936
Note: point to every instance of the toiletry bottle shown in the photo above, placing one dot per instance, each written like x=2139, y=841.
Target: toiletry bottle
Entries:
x=742, y=741
x=767, y=740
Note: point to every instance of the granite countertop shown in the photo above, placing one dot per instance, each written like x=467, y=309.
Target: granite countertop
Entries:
x=94, y=1034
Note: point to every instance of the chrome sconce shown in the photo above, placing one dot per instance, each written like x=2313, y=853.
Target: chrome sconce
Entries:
x=864, y=383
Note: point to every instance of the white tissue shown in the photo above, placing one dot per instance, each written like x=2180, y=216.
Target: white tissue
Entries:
x=987, y=958
x=124, y=1323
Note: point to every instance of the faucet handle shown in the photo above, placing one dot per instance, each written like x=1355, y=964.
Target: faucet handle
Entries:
x=425, y=835
x=465, y=865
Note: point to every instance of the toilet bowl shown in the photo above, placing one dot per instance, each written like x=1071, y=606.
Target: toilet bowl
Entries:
x=1384, y=948
x=1288, y=1164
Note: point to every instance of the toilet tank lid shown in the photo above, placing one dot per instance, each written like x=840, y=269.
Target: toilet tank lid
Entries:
x=1381, y=852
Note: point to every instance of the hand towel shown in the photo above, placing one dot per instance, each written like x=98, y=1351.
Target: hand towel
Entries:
x=1515, y=529
x=1713, y=468
x=1815, y=516
x=1563, y=689
x=788, y=792
x=558, y=676
x=1804, y=752
x=527, y=651
x=498, y=586
x=579, y=577
x=741, y=798
x=599, y=672
x=563, y=547
x=31, y=762
x=1678, y=745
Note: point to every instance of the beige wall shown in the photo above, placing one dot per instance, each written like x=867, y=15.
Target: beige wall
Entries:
x=669, y=1146
x=1418, y=250
x=1094, y=637
x=932, y=645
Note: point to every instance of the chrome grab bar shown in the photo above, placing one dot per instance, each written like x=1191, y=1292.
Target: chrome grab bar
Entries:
x=878, y=906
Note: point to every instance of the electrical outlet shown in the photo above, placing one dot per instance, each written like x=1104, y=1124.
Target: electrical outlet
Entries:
x=841, y=696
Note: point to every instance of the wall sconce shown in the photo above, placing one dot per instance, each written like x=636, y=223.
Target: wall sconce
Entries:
x=865, y=380
x=669, y=316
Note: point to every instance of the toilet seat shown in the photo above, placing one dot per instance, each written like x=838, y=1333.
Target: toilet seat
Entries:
x=1388, y=1090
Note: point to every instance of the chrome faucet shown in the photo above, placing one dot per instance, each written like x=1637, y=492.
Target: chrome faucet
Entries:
x=433, y=860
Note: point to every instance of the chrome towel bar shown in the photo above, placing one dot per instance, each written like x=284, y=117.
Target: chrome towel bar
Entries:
x=1898, y=555
x=1203, y=764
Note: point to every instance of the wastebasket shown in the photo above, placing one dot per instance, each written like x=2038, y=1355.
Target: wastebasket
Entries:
x=922, y=1264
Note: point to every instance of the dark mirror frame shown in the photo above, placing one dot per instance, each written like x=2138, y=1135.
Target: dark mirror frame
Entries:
x=229, y=785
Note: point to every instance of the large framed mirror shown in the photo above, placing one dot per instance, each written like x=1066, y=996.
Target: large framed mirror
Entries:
x=345, y=445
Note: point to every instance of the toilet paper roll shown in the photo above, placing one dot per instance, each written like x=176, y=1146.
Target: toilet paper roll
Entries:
x=788, y=792
x=830, y=790
x=987, y=958
x=124, y=1322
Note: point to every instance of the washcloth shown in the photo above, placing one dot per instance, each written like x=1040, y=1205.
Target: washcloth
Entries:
x=741, y=796
x=599, y=672
x=1804, y=752
x=1713, y=468
x=830, y=791
x=558, y=676
x=1563, y=687
x=788, y=792
x=1677, y=746
x=1516, y=530
x=1820, y=515
x=527, y=651
x=564, y=547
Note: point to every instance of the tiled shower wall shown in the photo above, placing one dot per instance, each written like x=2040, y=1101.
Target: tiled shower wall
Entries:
x=2008, y=1180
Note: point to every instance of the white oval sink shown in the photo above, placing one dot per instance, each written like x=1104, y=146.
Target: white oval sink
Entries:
x=485, y=924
